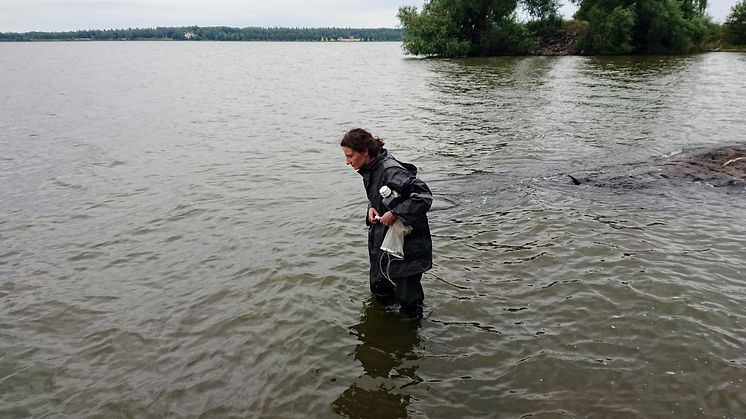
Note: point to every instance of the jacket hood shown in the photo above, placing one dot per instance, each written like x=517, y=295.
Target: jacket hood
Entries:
x=375, y=162
x=381, y=158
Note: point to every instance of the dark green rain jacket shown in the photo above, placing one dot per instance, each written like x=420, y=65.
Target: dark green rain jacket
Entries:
x=412, y=211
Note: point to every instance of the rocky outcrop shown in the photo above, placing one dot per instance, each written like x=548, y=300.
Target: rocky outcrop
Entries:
x=560, y=41
x=719, y=167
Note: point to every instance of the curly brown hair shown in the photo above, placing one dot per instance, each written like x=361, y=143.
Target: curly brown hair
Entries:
x=360, y=140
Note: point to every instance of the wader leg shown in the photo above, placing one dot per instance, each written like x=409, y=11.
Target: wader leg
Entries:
x=410, y=295
x=381, y=287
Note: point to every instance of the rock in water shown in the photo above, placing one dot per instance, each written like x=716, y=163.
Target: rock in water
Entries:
x=718, y=166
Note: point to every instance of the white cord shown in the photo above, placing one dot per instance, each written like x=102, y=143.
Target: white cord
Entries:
x=386, y=273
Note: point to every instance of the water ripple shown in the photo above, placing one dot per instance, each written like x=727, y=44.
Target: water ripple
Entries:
x=191, y=246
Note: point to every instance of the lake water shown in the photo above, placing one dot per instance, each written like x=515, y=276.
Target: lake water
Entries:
x=180, y=237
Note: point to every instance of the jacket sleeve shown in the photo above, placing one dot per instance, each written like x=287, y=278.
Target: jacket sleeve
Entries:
x=416, y=193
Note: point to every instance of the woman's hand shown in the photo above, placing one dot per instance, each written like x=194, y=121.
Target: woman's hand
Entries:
x=372, y=214
x=388, y=218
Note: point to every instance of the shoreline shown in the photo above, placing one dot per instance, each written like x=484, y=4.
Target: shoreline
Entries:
x=557, y=49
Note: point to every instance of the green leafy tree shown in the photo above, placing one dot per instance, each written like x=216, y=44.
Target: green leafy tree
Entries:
x=543, y=9
x=643, y=26
x=452, y=28
x=432, y=32
x=610, y=33
x=735, y=24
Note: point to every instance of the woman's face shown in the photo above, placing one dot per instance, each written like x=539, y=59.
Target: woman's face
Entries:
x=355, y=159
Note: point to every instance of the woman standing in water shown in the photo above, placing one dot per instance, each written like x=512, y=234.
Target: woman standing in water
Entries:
x=393, y=280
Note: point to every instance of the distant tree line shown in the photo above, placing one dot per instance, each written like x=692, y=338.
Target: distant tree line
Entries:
x=215, y=33
x=454, y=28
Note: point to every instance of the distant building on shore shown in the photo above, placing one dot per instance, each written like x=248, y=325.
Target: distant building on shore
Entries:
x=340, y=39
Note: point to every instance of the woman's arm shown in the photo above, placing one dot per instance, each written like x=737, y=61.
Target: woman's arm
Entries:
x=416, y=193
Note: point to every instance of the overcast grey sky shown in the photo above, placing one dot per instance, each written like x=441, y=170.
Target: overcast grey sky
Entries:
x=66, y=15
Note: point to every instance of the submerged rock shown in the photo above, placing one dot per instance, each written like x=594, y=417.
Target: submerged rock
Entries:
x=718, y=166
